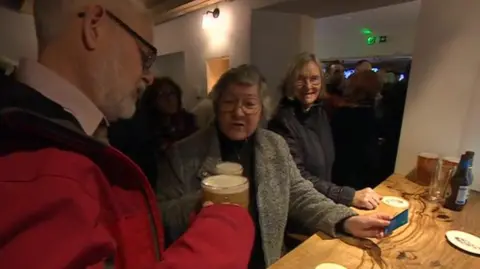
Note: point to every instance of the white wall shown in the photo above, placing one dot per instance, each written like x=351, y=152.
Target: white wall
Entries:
x=341, y=36
x=17, y=35
x=231, y=38
x=185, y=34
x=441, y=112
x=275, y=39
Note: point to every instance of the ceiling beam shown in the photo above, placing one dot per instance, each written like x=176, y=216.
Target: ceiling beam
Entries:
x=162, y=13
x=22, y=6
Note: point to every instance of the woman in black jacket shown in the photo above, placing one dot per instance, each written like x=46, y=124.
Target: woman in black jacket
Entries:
x=303, y=123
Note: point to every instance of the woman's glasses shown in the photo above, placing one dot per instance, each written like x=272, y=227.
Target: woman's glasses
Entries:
x=303, y=81
x=248, y=106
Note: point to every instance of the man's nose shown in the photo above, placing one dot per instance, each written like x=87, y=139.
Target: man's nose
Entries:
x=148, y=77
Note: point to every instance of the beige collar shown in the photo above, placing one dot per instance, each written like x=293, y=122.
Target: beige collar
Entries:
x=62, y=92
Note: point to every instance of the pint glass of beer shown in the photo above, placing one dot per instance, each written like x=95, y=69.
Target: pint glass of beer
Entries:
x=223, y=189
x=229, y=168
x=426, y=168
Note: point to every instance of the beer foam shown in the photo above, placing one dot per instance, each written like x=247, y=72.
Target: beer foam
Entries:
x=330, y=266
x=428, y=155
x=229, y=168
x=452, y=159
x=225, y=184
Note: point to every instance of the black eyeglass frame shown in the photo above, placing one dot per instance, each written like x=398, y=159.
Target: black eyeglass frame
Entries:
x=148, y=58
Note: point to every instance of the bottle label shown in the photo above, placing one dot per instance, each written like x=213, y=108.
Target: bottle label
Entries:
x=462, y=195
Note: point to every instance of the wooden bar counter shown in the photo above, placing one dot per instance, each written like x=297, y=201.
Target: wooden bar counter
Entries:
x=419, y=244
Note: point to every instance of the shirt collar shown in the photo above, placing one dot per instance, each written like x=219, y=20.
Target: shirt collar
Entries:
x=62, y=92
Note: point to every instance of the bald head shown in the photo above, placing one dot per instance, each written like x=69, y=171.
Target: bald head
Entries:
x=52, y=16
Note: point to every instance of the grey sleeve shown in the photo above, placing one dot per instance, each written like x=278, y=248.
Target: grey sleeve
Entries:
x=177, y=213
x=311, y=208
x=177, y=201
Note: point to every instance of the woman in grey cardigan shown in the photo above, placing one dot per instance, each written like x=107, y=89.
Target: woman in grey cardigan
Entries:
x=277, y=190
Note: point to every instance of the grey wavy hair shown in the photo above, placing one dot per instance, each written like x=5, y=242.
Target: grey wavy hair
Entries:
x=288, y=82
x=245, y=74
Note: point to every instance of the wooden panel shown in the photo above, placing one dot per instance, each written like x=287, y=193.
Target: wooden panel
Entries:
x=22, y=6
x=163, y=10
x=166, y=5
x=162, y=13
x=215, y=69
x=27, y=7
x=419, y=244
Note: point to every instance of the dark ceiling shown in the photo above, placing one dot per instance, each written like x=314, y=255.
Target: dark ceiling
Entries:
x=326, y=8
x=163, y=10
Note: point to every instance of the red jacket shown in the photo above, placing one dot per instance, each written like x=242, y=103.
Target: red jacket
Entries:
x=68, y=201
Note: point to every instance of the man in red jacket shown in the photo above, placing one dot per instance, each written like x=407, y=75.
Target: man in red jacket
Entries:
x=69, y=200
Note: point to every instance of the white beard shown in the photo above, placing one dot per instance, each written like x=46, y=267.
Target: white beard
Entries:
x=114, y=97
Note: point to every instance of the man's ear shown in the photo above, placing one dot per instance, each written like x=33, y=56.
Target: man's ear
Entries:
x=91, y=25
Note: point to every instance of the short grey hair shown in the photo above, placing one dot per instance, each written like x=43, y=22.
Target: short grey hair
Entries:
x=242, y=75
x=51, y=16
x=288, y=82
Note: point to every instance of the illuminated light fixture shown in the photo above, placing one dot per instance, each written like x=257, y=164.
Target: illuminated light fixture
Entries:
x=208, y=21
x=371, y=40
x=366, y=31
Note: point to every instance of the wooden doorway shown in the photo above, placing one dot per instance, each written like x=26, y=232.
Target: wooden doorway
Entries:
x=215, y=68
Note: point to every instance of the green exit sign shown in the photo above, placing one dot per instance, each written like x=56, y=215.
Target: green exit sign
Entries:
x=372, y=40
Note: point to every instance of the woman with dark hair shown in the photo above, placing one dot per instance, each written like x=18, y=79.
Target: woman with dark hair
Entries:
x=159, y=121
x=355, y=133
x=168, y=121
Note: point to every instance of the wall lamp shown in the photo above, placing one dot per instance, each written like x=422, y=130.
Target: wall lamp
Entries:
x=208, y=21
x=215, y=13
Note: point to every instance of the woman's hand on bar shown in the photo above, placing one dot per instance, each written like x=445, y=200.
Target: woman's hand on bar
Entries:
x=372, y=225
x=366, y=199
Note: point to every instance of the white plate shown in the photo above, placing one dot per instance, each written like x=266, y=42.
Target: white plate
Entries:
x=465, y=241
x=395, y=201
x=329, y=266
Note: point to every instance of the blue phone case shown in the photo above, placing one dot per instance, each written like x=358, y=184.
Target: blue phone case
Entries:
x=397, y=222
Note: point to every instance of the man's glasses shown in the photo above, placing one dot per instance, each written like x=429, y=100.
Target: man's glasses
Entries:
x=248, y=107
x=148, y=52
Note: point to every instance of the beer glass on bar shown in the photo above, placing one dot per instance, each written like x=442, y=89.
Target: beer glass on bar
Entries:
x=426, y=168
x=441, y=180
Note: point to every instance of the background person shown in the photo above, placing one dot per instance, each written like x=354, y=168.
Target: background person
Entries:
x=363, y=65
x=356, y=135
x=303, y=123
x=168, y=121
x=203, y=112
x=159, y=122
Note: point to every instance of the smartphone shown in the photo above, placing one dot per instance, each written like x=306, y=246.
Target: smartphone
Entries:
x=398, y=221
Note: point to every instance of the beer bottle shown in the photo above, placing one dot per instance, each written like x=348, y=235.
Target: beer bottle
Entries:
x=470, y=155
x=459, y=186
